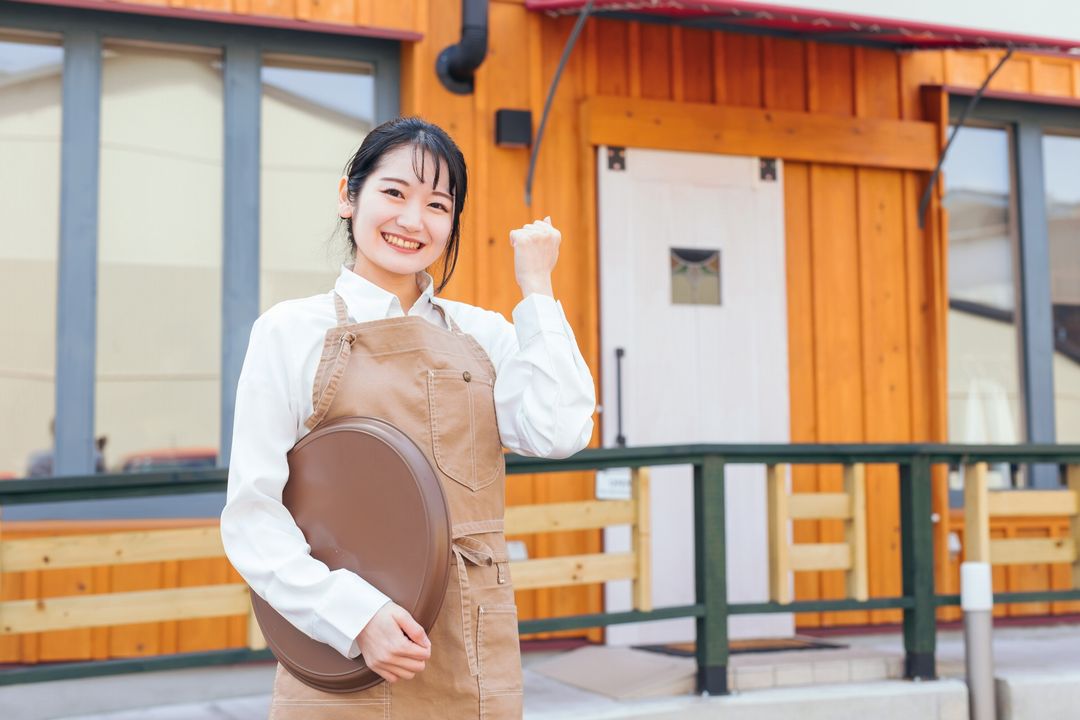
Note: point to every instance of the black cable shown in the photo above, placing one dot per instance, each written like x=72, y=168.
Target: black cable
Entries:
x=925, y=201
x=551, y=96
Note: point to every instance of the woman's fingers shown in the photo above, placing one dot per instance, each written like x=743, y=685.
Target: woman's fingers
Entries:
x=412, y=629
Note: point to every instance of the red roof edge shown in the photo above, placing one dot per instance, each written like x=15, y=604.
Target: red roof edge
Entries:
x=832, y=20
x=265, y=21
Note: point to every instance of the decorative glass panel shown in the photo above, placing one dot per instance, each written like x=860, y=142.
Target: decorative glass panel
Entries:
x=159, y=258
x=695, y=276
x=985, y=401
x=1062, y=167
x=30, y=99
x=315, y=114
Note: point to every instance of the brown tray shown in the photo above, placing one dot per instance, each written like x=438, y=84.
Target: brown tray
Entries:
x=366, y=499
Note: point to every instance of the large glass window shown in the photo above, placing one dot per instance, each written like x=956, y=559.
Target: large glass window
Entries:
x=1061, y=161
x=160, y=254
x=985, y=402
x=315, y=114
x=30, y=122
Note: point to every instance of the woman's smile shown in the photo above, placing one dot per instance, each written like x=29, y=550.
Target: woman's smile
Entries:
x=402, y=243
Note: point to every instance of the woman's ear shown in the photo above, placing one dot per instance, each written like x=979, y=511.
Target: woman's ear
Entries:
x=345, y=209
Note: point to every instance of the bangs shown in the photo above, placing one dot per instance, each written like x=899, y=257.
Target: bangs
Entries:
x=425, y=144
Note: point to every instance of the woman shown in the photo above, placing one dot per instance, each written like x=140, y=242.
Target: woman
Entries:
x=461, y=381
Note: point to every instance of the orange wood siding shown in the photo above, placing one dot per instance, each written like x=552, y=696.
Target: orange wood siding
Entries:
x=137, y=640
x=867, y=294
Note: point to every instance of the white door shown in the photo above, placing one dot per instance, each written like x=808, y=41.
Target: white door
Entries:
x=693, y=293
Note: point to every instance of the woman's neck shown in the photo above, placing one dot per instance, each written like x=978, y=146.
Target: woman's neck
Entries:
x=406, y=287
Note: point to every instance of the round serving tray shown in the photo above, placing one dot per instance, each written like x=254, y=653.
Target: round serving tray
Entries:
x=368, y=500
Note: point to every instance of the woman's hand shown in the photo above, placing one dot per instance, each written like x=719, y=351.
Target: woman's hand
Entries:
x=393, y=644
x=536, y=248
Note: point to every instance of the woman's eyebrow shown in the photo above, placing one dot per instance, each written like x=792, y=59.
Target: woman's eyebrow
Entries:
x=406, y=184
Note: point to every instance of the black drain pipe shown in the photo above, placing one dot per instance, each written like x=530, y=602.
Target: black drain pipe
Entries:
x=456, y=65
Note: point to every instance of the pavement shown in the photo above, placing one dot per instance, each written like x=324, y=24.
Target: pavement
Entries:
x=1037, y=671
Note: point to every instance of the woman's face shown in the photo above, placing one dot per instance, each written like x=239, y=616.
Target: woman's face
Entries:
x=400, y=223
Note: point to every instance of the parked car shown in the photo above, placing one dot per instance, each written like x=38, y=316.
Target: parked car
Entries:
x=170, y=459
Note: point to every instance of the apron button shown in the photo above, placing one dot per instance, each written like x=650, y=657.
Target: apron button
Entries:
x=467, y=376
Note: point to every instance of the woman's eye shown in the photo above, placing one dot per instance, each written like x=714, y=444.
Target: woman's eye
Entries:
x=393, y=190
x=440, y=206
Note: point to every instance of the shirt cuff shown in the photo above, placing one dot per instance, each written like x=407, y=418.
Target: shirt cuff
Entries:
x=536, y=314
x=345, y=611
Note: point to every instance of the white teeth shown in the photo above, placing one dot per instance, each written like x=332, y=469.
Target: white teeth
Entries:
x=399, y=242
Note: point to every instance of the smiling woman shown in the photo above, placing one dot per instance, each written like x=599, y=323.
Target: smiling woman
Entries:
x=460, y=381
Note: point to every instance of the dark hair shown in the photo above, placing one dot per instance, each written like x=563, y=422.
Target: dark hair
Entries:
x=425, y=138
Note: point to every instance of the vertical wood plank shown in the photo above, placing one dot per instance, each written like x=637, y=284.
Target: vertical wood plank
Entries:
x=801, y=360
x=784, y=74
x=855, y=531
x=633, y=51
x=742, y=69
x=976, y=514
x=886, y=388
x=678, y=79
x=719, y=63
x=656, y=62
x=965, y=68
x=697, y=66
x=1014, y=76
x=837, y=342
x=613, y=55
x=832, y=87
x=1072, y=481
x=779, y=550
x=329, y=11
x=642, y=538
x=273, y=8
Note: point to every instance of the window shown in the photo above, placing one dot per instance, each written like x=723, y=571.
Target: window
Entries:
x=984, y=374
x=30, y=122
x=315, y=114
x=1013, y=202
x=159, y=251
x=1062, y=173
x=150, y=212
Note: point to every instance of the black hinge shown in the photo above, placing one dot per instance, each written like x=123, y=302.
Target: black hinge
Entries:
x=768, y=169
x=616, y=158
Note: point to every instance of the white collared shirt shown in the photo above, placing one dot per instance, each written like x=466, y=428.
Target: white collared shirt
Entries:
x=544, y=401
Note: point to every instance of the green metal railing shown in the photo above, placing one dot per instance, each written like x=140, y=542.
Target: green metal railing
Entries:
x=711, y=608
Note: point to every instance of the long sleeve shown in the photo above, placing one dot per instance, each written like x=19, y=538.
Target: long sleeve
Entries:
x=261, y=538
x=544, y=392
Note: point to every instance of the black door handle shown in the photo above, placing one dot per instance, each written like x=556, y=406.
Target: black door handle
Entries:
x=620, y=439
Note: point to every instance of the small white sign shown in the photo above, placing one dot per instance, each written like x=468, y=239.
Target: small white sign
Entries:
x=517, y=550
x=613, y=484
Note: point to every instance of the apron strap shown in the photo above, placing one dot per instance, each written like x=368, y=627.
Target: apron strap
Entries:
x=329, y=391
x=341, y=310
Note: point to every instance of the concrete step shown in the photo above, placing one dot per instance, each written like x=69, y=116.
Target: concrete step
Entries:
x=882, y=700
x=757, y=671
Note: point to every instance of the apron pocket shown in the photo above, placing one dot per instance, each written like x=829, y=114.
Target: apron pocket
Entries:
x=464, y=430
x=499, y=654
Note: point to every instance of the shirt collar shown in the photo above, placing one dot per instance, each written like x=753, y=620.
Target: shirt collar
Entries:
x=365, y=300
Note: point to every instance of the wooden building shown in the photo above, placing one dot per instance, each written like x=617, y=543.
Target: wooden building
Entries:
x=793, y=166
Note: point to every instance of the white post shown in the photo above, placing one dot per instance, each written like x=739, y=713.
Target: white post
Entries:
x=977, y=601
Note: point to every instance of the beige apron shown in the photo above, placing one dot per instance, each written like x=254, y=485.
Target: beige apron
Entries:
x=436, y=386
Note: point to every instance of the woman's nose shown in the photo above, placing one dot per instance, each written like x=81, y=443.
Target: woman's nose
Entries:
x=410, y=219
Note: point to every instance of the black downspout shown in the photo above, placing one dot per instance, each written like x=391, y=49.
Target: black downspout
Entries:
x=457, y=64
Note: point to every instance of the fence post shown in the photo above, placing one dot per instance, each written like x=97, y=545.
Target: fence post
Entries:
x=917, y=549
x=711, y=576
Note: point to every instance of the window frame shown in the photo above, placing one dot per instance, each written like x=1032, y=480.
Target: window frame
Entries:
x=83, y=33
x=1027, y=121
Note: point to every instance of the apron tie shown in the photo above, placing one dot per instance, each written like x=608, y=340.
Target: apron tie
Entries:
x=471, y=550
